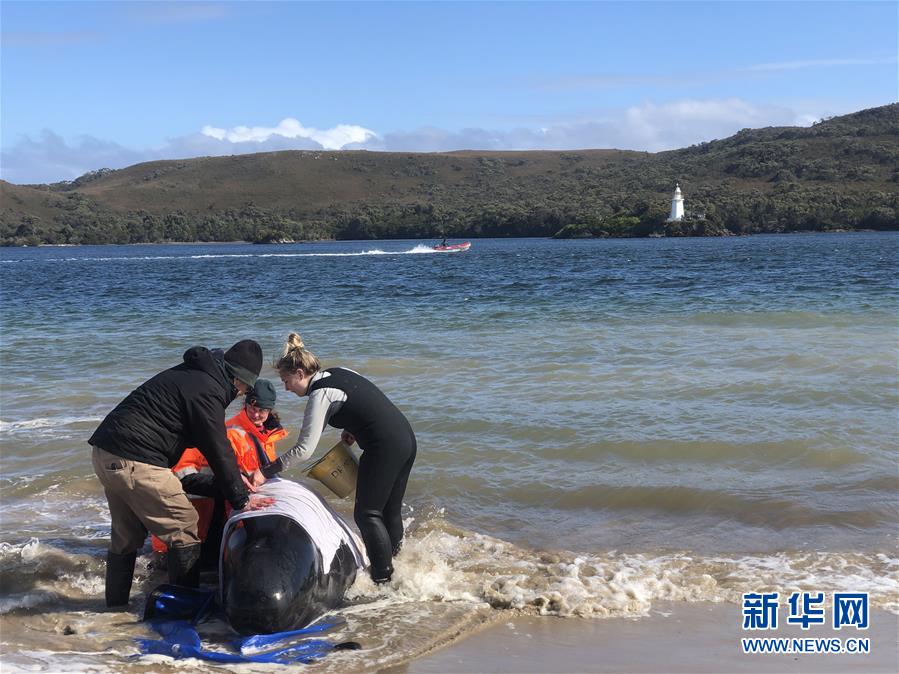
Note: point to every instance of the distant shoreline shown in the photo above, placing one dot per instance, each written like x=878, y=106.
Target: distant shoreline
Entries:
x=836, y=174
x=470, y=238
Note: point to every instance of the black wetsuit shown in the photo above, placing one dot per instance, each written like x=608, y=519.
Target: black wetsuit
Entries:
x=388, y=451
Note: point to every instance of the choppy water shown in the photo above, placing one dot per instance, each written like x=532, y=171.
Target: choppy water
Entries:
x=602, y=424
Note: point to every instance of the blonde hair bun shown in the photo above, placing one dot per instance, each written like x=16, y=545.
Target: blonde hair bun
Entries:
x=294, y=341
x=295, y=357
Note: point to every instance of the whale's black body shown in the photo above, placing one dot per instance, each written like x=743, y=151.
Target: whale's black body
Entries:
x=273, y=577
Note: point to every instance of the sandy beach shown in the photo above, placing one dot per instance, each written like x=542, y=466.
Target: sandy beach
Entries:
x=676, y=638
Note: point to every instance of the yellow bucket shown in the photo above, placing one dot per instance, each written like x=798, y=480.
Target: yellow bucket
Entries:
x=337, y=469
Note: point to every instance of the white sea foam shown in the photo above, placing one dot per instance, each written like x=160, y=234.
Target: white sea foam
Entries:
x=42, y=660
x=443, y=564
x=23, y=552
x=452, y=577
x=447, y=566
x=43, y=422
x=26, y=600
x=35, y=574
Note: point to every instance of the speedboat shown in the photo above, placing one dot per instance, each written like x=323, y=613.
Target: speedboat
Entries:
x=453, y=248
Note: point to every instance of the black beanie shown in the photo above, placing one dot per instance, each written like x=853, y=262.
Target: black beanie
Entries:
x=245, y=359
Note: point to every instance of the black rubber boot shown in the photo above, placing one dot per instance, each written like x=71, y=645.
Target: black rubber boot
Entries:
x=381, y=575
x=119, y=574
x=209, y=552
x=184, y=565
x=377, y=544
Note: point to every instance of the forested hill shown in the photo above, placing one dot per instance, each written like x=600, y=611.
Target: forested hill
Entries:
x=842, y=173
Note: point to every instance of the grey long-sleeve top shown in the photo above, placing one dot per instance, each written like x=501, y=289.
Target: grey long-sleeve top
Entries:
x=322, y=404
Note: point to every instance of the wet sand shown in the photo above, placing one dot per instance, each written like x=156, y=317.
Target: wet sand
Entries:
x=676, y=638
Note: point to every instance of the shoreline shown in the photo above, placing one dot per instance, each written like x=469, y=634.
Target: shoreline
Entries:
x=675, y=638
x=473, y=238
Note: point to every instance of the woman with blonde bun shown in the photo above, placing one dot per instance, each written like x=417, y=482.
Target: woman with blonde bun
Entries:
x=345, y=399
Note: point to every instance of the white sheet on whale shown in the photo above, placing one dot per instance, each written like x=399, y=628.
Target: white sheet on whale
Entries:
x=325, y=527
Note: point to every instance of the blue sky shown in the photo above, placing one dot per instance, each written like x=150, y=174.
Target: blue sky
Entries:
x=87, y=85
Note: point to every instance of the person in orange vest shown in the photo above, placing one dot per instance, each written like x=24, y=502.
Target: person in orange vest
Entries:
x=252, y=433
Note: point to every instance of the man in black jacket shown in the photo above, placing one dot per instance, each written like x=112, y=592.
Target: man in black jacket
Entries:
x=137, y=444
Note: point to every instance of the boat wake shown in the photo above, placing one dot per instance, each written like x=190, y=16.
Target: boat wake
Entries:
x=419, y=249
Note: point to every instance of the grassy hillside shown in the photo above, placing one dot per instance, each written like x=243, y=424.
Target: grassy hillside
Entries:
x=840, y=173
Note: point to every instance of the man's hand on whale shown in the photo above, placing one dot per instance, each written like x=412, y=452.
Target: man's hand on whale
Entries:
x=258, y=502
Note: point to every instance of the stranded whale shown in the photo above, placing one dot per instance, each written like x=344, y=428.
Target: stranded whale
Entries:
x=282, y=567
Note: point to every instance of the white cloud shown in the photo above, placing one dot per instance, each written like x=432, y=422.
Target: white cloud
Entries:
x=821, y=63
x=50, y=158
x=650, y=127
x=682, y=79
x=680, y=123
x=48, y=38
x=334, y=138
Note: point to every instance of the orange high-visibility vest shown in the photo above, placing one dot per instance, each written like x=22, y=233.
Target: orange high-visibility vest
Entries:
x=248, y=442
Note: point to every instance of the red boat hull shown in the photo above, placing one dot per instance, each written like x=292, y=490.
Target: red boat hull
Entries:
x=455, y=248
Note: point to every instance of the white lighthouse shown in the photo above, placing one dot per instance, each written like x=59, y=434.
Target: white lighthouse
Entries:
x=677, y=205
